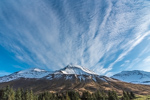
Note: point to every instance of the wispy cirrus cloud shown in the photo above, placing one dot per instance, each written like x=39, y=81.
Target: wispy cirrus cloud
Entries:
x=94, y=34
x=147, y=60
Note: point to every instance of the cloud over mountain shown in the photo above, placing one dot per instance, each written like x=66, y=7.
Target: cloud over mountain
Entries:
x=51, y=34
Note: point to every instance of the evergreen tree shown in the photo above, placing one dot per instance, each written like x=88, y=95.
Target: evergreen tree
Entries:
x=27, y=95
x=11, y=94
x=93, y=96
x=67, y=96
x=74, y=95
x=115, y=95
x=86, y=96
x=8, y=94
x=22, y=94
x=1, y=94
x=125, y=96
x=35, y=97
x=98, y=95
x=104, y=96
x=43, y=98
x=112, y=95
x=18, y=94
x=31, y=95
x=132, y=95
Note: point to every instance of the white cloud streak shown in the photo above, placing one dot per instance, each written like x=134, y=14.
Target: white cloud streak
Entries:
x=147, y=60
x=52, y=34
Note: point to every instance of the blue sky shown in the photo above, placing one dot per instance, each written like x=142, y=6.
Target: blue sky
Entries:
x=106, y=36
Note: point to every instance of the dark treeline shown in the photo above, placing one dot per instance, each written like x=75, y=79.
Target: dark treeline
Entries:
x=8, y=93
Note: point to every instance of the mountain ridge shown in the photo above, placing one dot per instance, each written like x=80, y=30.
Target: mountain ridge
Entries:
x=40, y=73
x=135, y=76
x=75, y=69
x=28, y=73
x=62, y=80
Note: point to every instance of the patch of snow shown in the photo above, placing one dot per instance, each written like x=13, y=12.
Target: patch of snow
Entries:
x=29, y=73
x=81, y=78
x=68, y=77
x=75, y=69
x=136, y=76
x=80, y=72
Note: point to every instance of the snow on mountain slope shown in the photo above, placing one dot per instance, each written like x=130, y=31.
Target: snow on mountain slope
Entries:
x=75, y=69
x=29, y=73
x=135, y=76
x=71, y=72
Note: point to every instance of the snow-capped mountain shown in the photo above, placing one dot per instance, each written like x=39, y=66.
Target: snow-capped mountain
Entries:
x=75, y=77
x=29, y=73
x=37, y=73
x=75, y=69
x=135, y=76
x=72, y=72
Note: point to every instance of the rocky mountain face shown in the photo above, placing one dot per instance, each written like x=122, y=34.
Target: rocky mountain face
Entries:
x=72, y=77
x=135, y=76
x=68, y=73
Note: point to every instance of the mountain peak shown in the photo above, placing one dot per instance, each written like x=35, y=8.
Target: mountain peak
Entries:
x=32, y=70
x=71, y=66
x=37, y=73
x=28, y=73
x=75, y=69
x=135, y=76
x=38, y=70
